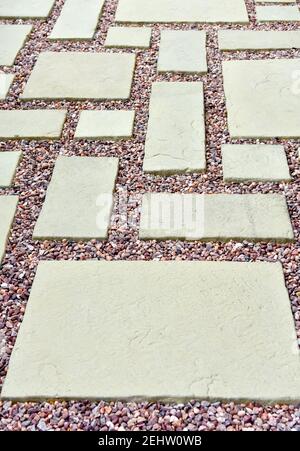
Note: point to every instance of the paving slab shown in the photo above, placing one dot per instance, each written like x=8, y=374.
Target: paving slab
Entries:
x=277, y=13
x=78, y=20
x=275, y=1
x=36, y=9
x=182, y=51
x=8, y=165
x=8, y=205
x=168, y=11
x=175, y=140
x=6, y=81
x=31, y=124
x=262, y=98
x=105, y=124
x=79, y=199
x=258, y=40
x=254, y=162
x=81, y=75
x=12, y=39
x=215, y=217
x=138, y=37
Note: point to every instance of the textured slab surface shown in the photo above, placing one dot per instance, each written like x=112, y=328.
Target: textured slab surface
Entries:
x=66, y=348
x=248, y=162
x=25, y=8
x=12, y=38
x=79, y=199
x=181, y=11
x=277, y=13
x=138, y=37
x=175, y=139
x=79, y=75
x=258, y=40
x=262, y=98
x=5, y=84
x=78, y=19
x=8, y=165
x=218, y=217
x=8, y=205
x=31, y=124
x=182, y=51
x=105, y=124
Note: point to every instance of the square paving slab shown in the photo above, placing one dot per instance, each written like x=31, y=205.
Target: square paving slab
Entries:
x=139, y=37
x=79, y=199
x=258, y=40
x=25, y=8
x=105, y=124
x=262, y=98
x=8, y=165
x=6, y=81
x=277, y=13
x=79, y=75
x=8, y=205
x=156, y=330
x=12, y=39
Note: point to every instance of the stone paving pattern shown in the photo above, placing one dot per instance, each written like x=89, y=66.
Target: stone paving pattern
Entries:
x=258, y=40
x=137, y=37
x=8, y=205
x=12, y=38
x=105, y=124
x=25, y=8
x=8, y=165
x=278, y=13
x=6, y=81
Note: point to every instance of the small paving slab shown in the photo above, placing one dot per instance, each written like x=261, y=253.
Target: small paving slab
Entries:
x=215, y=217
x=105, y=124
x=78, y=20
x=31, y=124
x=175, y=140
x=277, y=13
x=8, y=165
x=79, y=199
x=254, y=162
x=262, y=98
x=8, y=205
x=81, y=75
x=138, y=37
x=12, y=39
x=36, y=9
x=182, y=51
x=6, y=81
x=258, y=40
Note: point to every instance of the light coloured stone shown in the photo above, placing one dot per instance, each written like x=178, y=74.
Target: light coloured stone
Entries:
x=36, y=9
x=262, y=98
x=78, y=19
x=175, y=140
x=258, y=40
x=275, y=1
x=138, y=37
x=8, y=205
x=31, y=124
x=105, y=124
x=167, y=11
x=81, y=75
x=248, y=162
x=182, y=51
x=6, y=81
x=8, y=165
x=215, y=217
x=156, y=330
x=277, y=13
x=12, y=39
x=79, y=199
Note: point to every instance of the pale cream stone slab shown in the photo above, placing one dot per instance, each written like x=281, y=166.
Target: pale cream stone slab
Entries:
x=78, y=20
x=36, y=9
x=79, y=75
x=215, y=217
x=138, y=37
x=105, y=124
x=201, y=11
x=156, y=330
x=262, y=98
x=247, y=162
x=277, y=13
x=79, y=199
x=175, y=140
x=31, y=124
x=275, y=1
x=182, y=51
x=258, y=40
x=6, y=81
x=12, y=39
x=8, y=165
x=8, y=205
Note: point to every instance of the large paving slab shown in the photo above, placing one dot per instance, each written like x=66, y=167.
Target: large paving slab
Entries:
x=277, y=13
x=12, y=39
x=254, y=162
x=164, y=11
x=105, y=124
x=258, y=40
x=138, y=37
x=175, y=140
x=79, y=199
x=25, y=8
x=156, y=330
x=262, y=99
x=6, y=81
x=182, y=51
x=80, y=75
x=8, y=165
x=31, y=124
x=215, y=217
x=78, y=19
x=8, y=205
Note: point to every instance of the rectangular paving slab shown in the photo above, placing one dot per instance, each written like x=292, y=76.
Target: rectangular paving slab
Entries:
x=31, y=124
x=8, y=165
x=78, y=19
x=105, y=124
x=81, y=75
x=156, y=330
x=258, y=40
x=215, y=217
x=138, y=37
x=12, y=39
x=175, y=140
x=182, y=51
x=277, y=13
x=79, y=199
x=6, y=81
x=25, y=8
x=8, y=205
